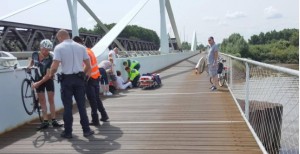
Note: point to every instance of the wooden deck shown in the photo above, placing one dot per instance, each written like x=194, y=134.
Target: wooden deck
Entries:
x=181, y=117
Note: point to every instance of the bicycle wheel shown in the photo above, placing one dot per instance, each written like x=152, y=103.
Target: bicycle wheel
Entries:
x=222, y=80
x=211, y=80
x=27, y=95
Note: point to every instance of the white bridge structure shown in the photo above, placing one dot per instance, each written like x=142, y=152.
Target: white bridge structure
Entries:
x=266, y=95
x=151, y=61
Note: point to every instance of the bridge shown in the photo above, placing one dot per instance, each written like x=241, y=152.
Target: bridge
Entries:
x=255, y=112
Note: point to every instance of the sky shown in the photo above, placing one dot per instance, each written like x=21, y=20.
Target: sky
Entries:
x=218, y=18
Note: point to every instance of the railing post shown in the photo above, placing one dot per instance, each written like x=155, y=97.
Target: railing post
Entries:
x=231, y=71
x=247, y=92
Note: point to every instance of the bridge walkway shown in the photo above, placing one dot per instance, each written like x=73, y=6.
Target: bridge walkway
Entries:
x=182, y=116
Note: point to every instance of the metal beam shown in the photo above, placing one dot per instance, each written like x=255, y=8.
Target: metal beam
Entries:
x=173, y=24
x=194, y=42
x=106, y=30
x=23, y=9
x=102, y=45
x=164, y=43
x=73, y=18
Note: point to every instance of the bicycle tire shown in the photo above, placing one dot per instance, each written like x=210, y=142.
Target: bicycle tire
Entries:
x=211, y=80
x=222, y=80
x=27, y=95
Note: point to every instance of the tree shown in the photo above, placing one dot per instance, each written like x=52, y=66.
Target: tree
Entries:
x=186, y=46
x=235, y=45
x=254, y=40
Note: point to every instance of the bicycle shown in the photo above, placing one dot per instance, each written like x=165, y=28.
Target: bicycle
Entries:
x=29, y=95
x=222, y=73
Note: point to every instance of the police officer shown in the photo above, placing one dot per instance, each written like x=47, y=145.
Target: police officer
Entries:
x=71, y=55
x=133, y=76
x=93, y=88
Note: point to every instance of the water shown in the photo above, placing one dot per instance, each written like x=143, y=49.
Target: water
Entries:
x=283, y=90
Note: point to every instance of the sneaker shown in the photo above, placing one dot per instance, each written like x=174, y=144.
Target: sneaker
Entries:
x=104, y=119
x=213, y=88
x=94, y=123
x=109, y=94
x=65, y=135
x=89, y=133
x=56, y=124
x=44, y=125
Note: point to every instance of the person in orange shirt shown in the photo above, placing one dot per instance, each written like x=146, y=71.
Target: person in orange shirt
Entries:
x=93, y=88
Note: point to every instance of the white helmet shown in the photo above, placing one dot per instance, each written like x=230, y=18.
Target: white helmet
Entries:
x=46, y=43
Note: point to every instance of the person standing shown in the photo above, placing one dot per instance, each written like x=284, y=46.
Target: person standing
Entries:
x=213, y=55
x=133, y=76
x=71, y=55
x=105, y=68
x=43, y=60
x=93, y=88
x=113, y=53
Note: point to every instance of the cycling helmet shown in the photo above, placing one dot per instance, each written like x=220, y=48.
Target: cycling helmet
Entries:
x=46, y=44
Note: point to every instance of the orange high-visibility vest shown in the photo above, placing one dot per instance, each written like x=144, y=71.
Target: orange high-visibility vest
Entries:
x=95, y=74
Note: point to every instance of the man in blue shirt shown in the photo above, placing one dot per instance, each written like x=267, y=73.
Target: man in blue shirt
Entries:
x=213, y=55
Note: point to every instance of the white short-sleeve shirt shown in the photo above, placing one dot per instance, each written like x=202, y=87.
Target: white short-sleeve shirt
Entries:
x=71, y=55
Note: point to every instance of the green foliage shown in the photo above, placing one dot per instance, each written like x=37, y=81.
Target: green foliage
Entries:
x=130, y=31
x=291, y=35
x=235, y=45
x=272, y=47
x=186, y=46
x=201, y=47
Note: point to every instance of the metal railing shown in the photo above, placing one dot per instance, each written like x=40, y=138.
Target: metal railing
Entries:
x=268, y=98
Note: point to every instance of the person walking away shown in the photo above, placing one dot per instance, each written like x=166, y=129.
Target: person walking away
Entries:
x=93, y=88
x=121, y=84
x=132, y=64
x=71, y=55
x=213, y=55
x=133, y=76
x=43, y=60
x=105, y=68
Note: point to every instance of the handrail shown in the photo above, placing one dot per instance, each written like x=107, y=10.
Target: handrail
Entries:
x=276, y=68
x=263, y=104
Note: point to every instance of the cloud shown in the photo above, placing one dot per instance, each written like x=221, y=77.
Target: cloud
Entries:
x=235, y=15
x=210, y=19
x=272, y=13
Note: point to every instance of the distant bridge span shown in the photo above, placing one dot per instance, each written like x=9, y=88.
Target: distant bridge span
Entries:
x=26, y=37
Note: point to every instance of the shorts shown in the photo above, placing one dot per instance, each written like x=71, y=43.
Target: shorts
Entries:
x=103, y=79
x=212, y=70
x=112, y=77
x=48, y=85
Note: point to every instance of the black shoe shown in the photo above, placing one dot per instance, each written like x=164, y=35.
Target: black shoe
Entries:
x=64, y=135
x=104, y=119
x=89, y=133
x=94, y=123
x=56, y=124
x=44, y=125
